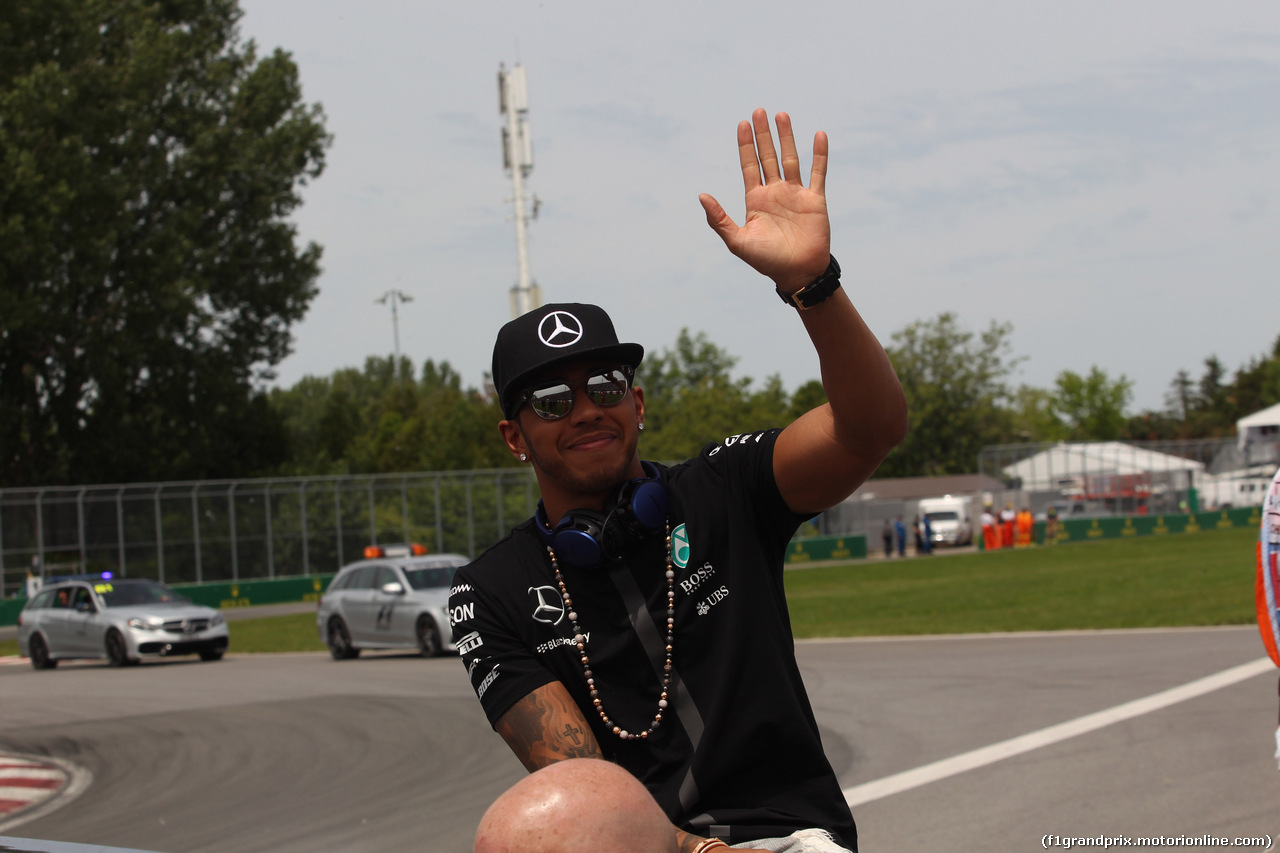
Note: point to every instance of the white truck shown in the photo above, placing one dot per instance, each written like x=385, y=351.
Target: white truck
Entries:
x=950, y=519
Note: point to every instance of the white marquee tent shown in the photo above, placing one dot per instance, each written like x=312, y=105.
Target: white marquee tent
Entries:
x=1260, y=427
x=1066, y=464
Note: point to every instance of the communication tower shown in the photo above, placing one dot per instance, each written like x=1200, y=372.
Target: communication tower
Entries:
x=517, y=158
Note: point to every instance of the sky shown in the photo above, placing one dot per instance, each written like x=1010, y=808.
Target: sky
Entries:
x=1103, y=177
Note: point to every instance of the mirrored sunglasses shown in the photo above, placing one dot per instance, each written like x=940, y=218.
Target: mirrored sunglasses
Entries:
x=604, y=388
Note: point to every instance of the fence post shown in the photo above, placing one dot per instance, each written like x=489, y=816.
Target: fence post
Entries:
x=40, y=530
x=302, y=503
x=471, y=520
x=439, y=520
x=404, y=507
x=195, y=530
x=84, y=562
x=120, y=526
x=271, y=551
x=159, y=537
x=231, y=517
x=337, y=518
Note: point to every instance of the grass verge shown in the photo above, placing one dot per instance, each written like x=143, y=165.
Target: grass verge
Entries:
x=293, y=633
x=1188, y=579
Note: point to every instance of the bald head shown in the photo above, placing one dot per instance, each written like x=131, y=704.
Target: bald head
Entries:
x=576, y=804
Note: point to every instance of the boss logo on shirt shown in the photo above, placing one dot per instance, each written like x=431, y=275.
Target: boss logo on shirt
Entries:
x=697, y=578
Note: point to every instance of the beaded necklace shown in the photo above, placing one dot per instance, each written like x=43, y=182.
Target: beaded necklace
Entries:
x=580, y=640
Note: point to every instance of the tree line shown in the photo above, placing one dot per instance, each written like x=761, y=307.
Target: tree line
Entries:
x=957, y=384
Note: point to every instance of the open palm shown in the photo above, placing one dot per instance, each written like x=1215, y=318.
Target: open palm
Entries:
x=787, y=232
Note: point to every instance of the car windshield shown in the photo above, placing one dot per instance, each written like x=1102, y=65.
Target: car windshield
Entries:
x=943, y=515
x=430, y=577
x=127, y=594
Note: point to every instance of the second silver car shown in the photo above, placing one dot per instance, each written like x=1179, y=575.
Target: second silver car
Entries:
x=389, y=603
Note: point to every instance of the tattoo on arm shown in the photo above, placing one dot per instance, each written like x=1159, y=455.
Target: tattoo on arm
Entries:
x=685, y=842
x=546, y=726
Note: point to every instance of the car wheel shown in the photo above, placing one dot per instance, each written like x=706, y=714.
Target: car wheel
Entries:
x=40, y=653
x=340, y=641
x=117, y=649
x=211, y=654
x=429, y=644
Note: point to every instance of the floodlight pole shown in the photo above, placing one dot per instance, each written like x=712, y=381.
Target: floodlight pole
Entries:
x=517, y=157
x=395, y=296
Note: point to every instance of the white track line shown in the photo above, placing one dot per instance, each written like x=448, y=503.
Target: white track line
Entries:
x=927, y=773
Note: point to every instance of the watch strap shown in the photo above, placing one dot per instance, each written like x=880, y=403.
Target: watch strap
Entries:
x=817, y=290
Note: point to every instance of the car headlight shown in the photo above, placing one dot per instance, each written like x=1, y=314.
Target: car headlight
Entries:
x=216, y=620
x=144, y=624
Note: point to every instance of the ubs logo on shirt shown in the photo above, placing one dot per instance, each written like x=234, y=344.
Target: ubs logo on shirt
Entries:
x=716, y=596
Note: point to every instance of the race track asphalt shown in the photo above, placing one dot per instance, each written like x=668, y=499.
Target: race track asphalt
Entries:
x=391, y=752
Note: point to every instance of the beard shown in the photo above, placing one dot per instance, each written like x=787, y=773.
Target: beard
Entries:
x=592, y=482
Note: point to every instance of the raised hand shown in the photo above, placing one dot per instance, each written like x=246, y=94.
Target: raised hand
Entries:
x=787, y=232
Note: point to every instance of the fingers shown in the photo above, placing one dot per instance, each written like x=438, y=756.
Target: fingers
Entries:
x=818, y=174
x=764, y=145
x=719, y=221
x=758, y=157
x=787, y=141
x=747, y=156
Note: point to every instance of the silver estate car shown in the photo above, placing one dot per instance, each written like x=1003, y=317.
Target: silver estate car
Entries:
x=389, y=603
x=122, y=620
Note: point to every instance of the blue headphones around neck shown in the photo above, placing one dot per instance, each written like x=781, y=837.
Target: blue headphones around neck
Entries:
x=584, y=536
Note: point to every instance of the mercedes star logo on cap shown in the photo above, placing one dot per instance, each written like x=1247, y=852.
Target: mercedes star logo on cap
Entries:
x=566, y=331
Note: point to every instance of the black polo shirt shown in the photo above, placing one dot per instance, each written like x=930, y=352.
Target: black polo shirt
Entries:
x=738, y=753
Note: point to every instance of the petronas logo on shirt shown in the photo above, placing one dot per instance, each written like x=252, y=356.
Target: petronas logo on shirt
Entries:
x=680, y=546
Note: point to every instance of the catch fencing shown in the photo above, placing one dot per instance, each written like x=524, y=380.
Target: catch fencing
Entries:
x=1113, y=478
x=238, y=530
x=232, y=530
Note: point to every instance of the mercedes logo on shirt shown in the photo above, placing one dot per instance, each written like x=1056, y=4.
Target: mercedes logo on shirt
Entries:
x=550, y=606
x=560, y=329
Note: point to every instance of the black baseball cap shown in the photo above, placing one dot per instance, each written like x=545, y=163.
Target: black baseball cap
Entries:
x=552, y=335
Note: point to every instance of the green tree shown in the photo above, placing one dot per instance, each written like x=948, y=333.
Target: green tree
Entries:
x=691, y=399
x=149, y=273
x=1032, y=416
x=368, y=421
x=1257, y=385
x=1092, y=406
x=1181, y=396
x=955, y=383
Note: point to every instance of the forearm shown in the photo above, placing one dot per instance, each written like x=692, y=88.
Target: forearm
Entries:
x=868, y=407
x=828, y=452
x=546, y=726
